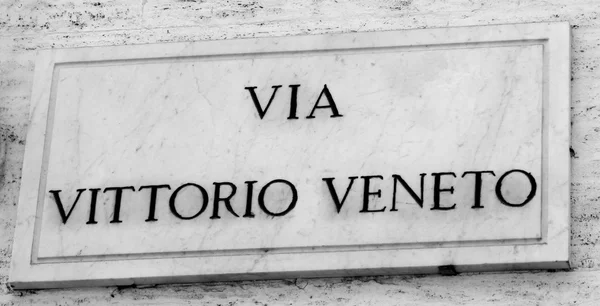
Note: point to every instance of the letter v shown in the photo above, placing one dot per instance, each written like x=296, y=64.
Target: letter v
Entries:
x=334, y=196
x=61, y=209
x=259, y=109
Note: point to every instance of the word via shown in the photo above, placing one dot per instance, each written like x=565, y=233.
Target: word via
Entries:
x=294, y=102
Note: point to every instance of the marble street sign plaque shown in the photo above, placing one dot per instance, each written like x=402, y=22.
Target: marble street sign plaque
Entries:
x=421, y=151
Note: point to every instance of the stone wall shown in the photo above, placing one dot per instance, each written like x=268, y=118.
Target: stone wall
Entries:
x=26, y=26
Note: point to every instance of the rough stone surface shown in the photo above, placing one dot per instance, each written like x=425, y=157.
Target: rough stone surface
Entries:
x=26, y=26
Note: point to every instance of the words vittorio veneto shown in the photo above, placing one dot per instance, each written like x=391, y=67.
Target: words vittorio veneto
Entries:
x=222, y=193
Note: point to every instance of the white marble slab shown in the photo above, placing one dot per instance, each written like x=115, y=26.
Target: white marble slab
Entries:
x=392, y=108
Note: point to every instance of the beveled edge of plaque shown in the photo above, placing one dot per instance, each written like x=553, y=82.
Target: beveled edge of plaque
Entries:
x=551, y=253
